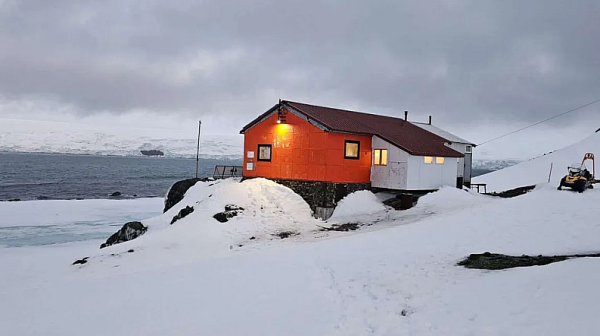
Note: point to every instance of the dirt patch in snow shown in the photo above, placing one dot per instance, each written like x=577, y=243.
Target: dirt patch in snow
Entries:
x=342, y=227
x=496, y=261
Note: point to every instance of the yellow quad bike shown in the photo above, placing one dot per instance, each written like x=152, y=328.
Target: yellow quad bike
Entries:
x=579, y=178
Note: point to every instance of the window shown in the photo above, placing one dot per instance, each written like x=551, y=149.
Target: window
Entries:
x=469, y=149
x=428, y=159
x=264, y=152
x=352, y=149
x=380, y=157
x=439, y=160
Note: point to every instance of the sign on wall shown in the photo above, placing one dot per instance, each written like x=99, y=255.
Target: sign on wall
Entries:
x=250, y=154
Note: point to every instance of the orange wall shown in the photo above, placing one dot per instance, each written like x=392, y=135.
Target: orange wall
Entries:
x=301, y=151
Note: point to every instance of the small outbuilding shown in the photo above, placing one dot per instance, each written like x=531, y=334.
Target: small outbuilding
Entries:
x=324, y=153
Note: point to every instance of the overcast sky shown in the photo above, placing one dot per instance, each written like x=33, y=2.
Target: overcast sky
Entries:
x=481, y=68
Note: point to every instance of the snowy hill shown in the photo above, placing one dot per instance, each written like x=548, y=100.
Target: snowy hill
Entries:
x=537, y=170
x=396, y=277
x=119, y=143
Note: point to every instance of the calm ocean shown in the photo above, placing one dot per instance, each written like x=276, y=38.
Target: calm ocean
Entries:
x=61, y=177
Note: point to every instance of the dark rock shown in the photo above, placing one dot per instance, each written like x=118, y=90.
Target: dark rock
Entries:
x=495, y=261
x=42, y=198
x=252, y=238
x=286, y=234
x=513, y=192
x=225, y=216
x=342, y=227
x=401, y=202
x=231, y=211
x=15, y=200
x=182, y=213
x=116, y=194
x=130, y=251
x=80, y=261
x=128, y=232
x=178, y=190
x=233, y=207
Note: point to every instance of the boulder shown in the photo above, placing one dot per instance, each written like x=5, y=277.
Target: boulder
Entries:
x=128, y=232
x=80, y=261
x=231, y=211
x=182, y=213
x=116, y=194
x=178, y=190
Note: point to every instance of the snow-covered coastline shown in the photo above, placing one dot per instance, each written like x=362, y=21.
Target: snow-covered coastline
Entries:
x=211, y=146
x=397, y=276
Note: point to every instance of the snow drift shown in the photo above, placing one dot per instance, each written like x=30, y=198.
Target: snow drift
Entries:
x=536, y=171
x=267, y=211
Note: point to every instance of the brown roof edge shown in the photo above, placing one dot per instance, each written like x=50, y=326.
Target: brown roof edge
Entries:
x=259, y=118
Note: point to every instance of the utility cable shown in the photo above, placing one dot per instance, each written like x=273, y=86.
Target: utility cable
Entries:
x=540, y=122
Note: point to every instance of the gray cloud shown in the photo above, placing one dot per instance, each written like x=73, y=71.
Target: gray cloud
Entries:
x=462, y=61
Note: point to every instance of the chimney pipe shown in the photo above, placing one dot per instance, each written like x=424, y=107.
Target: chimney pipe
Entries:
x=405, y=115
x=429, y=120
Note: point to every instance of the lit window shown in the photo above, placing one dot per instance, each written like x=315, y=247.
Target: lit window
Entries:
x=428, y=159
x=439, y=160
x=264, y=152
x=380, y=157
x=469, y=149
x=352, y=148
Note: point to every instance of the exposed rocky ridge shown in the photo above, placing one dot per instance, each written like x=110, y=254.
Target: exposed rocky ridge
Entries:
x=182, y=213
x=496, y=261
x=178, y=190
x=129, y=231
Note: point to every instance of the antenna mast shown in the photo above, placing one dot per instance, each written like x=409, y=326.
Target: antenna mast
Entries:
x=198, y=147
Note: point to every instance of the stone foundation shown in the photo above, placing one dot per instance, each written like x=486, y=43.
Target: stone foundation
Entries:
x=322, y=196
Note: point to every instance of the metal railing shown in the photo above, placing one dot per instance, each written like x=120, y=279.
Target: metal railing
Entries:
x=222, y=172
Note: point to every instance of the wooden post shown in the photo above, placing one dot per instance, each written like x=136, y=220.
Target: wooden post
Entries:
x=550, y=175
x=198, y=148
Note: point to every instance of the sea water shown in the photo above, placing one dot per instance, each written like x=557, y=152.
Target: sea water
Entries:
x=66, y=198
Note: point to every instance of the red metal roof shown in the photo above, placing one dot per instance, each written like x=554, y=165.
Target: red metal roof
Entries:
x=403, y=134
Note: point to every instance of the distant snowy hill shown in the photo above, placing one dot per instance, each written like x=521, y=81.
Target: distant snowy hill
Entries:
x=94, y=142
x=537, y=170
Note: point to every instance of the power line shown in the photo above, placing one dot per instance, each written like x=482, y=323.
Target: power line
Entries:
x=540, y=122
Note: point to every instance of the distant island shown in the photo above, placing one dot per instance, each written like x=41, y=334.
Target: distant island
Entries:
x=153, y=152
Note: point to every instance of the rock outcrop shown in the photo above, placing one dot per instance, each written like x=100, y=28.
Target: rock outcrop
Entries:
x=231, y=211
x=128, y=232
x=178, y=190
x=496, y=261
x=182, y=213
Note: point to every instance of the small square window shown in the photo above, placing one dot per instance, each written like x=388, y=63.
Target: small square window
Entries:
x=469, y=149
x=352, y=149
x=439, y=160
x=380, y=157
x=264, y=152
x=428, y=159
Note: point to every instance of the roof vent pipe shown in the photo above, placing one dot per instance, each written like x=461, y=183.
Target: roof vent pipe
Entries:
x=429, y=120
x=405, y=115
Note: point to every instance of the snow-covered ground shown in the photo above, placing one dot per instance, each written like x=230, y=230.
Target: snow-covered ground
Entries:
x=18, y=136
x=536, y=171
x=395, y=277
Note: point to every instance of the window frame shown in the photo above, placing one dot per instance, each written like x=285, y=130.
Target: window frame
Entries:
x=357, y=142
x=258, y=158
x=469, y=149
x=437, y=159
x=380, y=157
x=428, y=157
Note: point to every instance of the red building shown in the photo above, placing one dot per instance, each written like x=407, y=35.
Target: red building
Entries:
x=339, y=151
